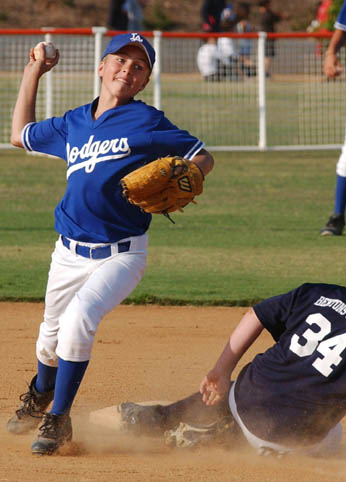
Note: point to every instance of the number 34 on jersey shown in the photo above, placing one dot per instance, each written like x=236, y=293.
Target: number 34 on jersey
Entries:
x=311, y=341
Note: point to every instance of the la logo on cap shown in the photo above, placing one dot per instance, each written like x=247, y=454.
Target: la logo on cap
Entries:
x=135, y=37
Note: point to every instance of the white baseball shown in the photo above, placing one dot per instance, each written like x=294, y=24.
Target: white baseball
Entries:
x=49, y=48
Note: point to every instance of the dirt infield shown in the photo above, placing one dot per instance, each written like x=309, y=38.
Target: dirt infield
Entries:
x=141, y=353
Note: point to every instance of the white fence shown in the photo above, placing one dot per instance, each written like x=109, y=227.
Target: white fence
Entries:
x=237, y=109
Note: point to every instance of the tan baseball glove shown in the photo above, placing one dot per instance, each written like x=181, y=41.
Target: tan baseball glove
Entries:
x=164, y=185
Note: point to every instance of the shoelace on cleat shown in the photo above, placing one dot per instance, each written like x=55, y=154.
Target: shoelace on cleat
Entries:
x=29, y=408
x=49, y=427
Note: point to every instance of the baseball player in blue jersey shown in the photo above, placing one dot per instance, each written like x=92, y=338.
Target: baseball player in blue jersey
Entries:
x=332, y=69
x=290, y=398
x=100, y=254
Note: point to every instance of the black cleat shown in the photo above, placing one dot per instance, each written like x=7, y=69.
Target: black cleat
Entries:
x=142, y=419
x=31, y=410
x=53, y=433
x=334, y=226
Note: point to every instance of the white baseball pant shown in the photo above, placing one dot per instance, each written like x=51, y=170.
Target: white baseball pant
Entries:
x=80, y=292
x=341, y=164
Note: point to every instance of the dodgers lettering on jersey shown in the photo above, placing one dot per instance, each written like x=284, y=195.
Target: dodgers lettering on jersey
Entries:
x=340, y=23
x=94, y=152
x=295, y=392
x=98, y=154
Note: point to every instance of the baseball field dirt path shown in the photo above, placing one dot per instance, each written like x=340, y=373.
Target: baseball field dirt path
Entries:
x=141, y=353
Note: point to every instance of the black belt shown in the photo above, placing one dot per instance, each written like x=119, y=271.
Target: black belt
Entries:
x=100, y=252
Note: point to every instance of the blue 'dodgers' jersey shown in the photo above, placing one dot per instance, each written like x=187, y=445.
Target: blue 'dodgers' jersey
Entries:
x=295, y=392
x=98, y=154
x=340, y=23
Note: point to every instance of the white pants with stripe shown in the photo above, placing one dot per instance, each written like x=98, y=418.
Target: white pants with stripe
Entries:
x=80, y=292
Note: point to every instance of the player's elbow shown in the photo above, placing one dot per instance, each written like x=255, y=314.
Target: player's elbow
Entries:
x=208, y=162
x=16, y=140
x=211, y=161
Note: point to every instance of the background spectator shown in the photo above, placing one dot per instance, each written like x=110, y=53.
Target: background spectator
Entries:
x=245, y=44
x=228, y=58
x=211, y=15
x=322, y=16
x=216, y=60
x=207, y=59
x=267, y=22
x=235, y=18
x=226, y=48
x=117, y=19
x=134, y=11
x=228, y=17
x=320, y=22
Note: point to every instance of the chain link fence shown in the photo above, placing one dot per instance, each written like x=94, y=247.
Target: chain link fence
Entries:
x=238, y=106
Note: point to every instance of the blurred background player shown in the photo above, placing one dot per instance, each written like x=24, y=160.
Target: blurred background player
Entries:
x=332, y=69
x=267, y=23
x=290, y=398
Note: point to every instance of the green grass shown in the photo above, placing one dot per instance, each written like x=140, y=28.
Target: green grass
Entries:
x=254, y=232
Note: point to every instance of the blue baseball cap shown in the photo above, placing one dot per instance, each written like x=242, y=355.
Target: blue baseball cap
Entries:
x=119, y=41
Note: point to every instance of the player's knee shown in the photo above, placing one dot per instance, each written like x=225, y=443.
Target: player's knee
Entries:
x=46, y=352
x=46, y=344
x=75, y=344
x=76, y=335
